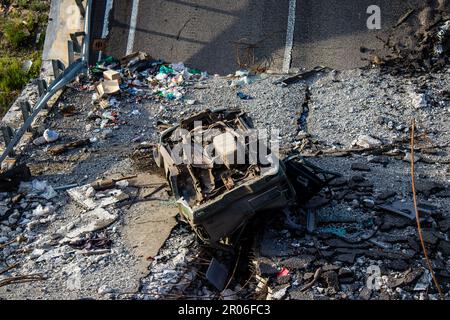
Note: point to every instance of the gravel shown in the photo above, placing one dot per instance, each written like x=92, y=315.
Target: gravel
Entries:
x=342, y=107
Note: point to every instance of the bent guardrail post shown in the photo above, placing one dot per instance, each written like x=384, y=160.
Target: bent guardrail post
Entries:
x=58, y=68
x=25, y=107
x=70, y=52
x=8, y=134
x=76, y=44
x=81, y=7
x=71, y=72
x=42, y=87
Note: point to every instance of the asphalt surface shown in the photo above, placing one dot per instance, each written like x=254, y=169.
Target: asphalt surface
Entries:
x=223, y=35
x=332, y=32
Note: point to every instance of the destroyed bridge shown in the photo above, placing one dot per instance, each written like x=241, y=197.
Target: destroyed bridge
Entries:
x=295, y=153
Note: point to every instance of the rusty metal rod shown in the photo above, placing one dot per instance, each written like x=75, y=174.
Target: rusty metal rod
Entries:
x=419, y=228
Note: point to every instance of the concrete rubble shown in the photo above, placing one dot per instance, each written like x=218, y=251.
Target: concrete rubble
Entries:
x=355, y=239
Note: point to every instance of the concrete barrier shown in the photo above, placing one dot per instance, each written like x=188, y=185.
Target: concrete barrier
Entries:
x=64, y=19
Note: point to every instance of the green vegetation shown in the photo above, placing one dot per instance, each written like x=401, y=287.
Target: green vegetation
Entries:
x=16, y=33
x=12, y=77
x=22, y=26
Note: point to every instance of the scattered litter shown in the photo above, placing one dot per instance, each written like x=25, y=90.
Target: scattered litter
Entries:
x=168, y=81
x=406, y=209
x=97, y=241
x=42, y=211
x=366, y=141
x=244, y=96
x=419, y=100
x=111, y=75
x=283, y=272
x=424, y=282
x=37, y=188
x=243, y=78
x=107, y=87
x=50, y=135
x=91, y=199
x=219, y=198
x=278, y=295
x=61, y=148
x=90, y=221
x=26, y=65
x=105, y=184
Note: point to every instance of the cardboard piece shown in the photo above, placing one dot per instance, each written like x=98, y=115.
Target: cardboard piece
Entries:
x=111, y=75
x=107, y=87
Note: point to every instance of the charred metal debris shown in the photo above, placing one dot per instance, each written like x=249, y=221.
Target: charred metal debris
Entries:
x=220, y=196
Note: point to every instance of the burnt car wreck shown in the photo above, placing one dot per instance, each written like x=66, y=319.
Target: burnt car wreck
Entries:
x=223, y=174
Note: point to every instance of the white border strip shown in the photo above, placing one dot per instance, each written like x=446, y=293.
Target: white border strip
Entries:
x=105, y=30
x=133, y=23
x=289, y=36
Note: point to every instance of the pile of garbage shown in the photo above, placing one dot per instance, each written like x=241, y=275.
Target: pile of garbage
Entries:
x=140, y=75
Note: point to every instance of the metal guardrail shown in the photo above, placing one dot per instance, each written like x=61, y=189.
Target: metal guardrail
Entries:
x=62, y=75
